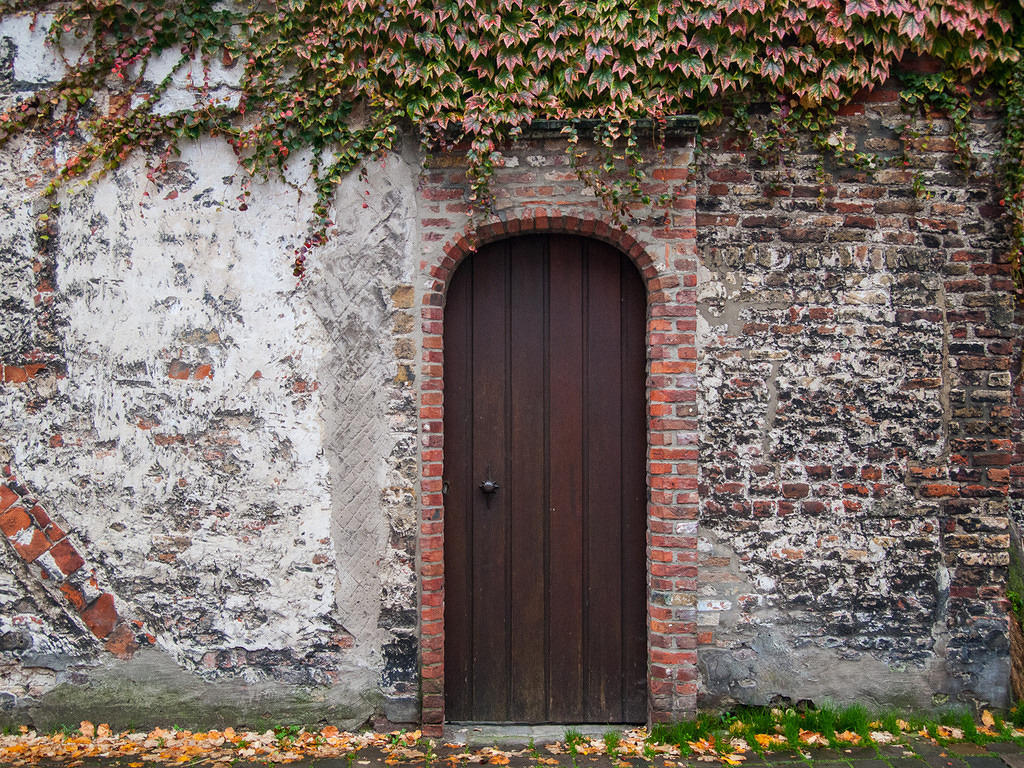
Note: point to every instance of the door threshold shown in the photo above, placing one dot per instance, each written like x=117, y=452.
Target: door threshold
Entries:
x=520, y=734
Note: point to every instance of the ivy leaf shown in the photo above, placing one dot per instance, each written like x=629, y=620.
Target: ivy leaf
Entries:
x=598, y=52
x=704, y=44
x=861, y=8
x=510, y=60
x=911, y=26
x=601, y=79
x=772, y=69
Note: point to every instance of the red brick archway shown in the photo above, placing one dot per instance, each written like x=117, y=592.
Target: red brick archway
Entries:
x=671, y=463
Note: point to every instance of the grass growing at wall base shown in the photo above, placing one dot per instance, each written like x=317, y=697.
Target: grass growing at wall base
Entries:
x=802, y=728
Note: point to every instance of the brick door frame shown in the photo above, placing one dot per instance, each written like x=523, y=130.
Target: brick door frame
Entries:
x=671, y=396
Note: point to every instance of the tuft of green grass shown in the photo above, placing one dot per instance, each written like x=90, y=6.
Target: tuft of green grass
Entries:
x=611, y=743
x=970, y=729
x=286, y=734
x=573, y=739
x=854, y=718
x=888, y=720
x=791, y=722
x=823, y=721
x=758, y=718
x=684, y=731
x=429, y=755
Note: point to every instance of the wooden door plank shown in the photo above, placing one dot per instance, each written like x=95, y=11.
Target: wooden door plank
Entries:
x=490, y=542
x=526, y=497
x=565, y=492
x=602, y=521
x=458, y=450
x=634, y=494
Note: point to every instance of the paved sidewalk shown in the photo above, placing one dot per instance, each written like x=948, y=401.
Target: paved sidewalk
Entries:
x=506, y=747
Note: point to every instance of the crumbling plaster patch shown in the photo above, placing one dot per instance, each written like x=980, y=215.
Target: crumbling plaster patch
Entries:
x=188, y=439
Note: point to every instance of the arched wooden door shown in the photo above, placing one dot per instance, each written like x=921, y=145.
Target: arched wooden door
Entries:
x=545, y=467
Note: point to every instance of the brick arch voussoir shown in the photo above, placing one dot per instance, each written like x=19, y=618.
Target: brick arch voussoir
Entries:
x=540, y=220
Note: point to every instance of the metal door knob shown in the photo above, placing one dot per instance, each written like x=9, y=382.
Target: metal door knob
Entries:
x=489, y=486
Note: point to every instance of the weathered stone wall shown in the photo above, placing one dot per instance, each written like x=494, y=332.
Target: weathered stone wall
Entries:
x=231, y=456
x=855, y=373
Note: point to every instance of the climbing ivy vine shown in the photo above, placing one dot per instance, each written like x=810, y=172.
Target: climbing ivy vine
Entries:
x=341, y=79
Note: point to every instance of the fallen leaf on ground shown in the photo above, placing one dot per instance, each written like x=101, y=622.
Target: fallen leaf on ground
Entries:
x=702, y=746
x=812, y=738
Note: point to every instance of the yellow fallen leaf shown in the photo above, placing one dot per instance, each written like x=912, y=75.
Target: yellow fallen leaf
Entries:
x=547, y=760
x=849, y=737
x=702, y=746
x=135, y=765
x=88, y=729
x=767, y=740
x=987, y=719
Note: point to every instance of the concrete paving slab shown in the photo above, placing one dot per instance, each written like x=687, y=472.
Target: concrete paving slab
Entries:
x=484, y=735
x=1004, y=747
x=868, y=763
x=967, y=748
x=907, y=762
x=984, y=761
x=1013, y=759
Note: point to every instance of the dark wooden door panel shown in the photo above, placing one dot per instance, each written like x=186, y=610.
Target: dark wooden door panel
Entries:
x=565, y=494
x=526, y=480
x=459, y=493
x=544, y=394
